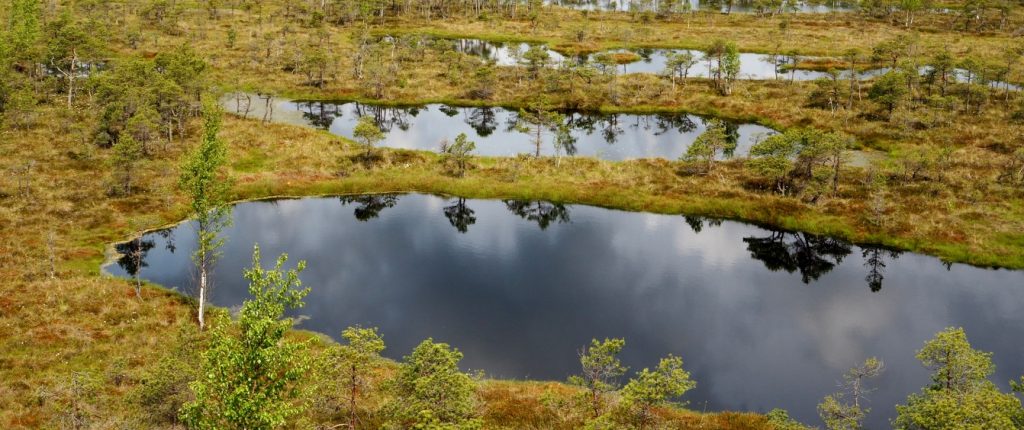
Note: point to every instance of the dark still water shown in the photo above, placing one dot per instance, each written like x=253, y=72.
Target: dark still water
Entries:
x=762, y=318
x=753, y=66
x=605, y=136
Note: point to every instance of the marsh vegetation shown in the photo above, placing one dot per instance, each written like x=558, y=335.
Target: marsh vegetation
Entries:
x=893, y=125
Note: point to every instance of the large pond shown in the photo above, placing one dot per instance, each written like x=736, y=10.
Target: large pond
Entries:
x=605, y=136
x=763, y=318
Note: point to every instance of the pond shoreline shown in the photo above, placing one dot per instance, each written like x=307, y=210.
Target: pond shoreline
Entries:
x=515, y=258
x=227, y=94
x=111, y=254
x=757, y=210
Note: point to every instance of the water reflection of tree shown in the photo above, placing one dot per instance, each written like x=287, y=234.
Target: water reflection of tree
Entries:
x=610, y=128
x=483, y=120
x=645, y=54
x=323, y=114
x=448, y=111
x=732, y=136
x=477, y=47
x=581, y=121
x=539, y=124
x=696, y=223
x=874, y=260
x=387, y=117
x=168, y=236
x=541, y=212
x=678, y=122
x=460, y=215
x=809, y=254
x=370, y=206
x=320, y=114
x=608, y=125
x=133, y=255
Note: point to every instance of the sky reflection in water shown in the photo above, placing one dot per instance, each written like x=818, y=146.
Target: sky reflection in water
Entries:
x=762, y=318
x=605, y=136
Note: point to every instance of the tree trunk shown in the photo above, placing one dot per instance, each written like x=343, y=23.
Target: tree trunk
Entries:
x=71, y=88
x=835, y=173
x=352, y=400
x=71, y=78
x=202, y=294
x=537, y=140
x=138, y=279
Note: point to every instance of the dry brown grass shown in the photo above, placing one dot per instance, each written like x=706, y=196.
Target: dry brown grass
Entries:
x=806, y=34
x=536, y=405
x=82, y=322
x=79, y=323
x=53, y=329
x=624, y=57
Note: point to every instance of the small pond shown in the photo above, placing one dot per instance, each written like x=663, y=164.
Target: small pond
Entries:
x=762, y=318
x=753, y=66
x=605, y=136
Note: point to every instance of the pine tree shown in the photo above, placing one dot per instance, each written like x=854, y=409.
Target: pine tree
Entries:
x=651, y=389
x=356, y=359
x=367, y=134
x=127, y=153
x=844, y=410
x=961, y=396
x=431, y=391
x=601, y=368
x=23, y=34
x=709, y=144
x=458, y=153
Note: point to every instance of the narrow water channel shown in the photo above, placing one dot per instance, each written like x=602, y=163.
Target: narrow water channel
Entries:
x=604, y=136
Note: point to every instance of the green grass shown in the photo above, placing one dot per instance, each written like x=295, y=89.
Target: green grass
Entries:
x=252, y=162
